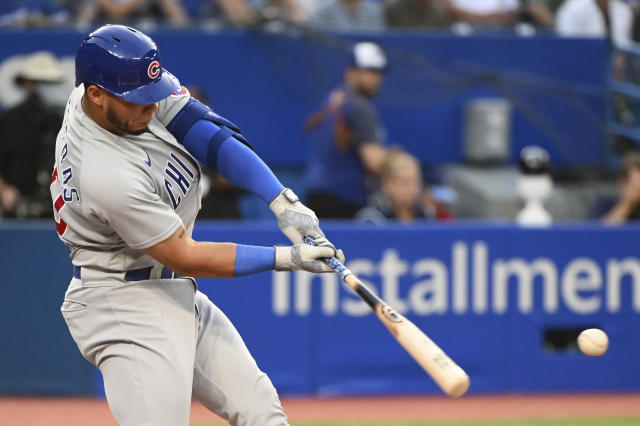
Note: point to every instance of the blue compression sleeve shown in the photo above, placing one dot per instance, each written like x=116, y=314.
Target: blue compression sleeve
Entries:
x=243, y=168
x=253, y=259
x=234, y=160
x=196, y=141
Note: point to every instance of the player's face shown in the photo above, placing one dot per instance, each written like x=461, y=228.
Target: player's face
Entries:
x=127, y=117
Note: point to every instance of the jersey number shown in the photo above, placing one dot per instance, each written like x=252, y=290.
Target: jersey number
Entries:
x=58, y=204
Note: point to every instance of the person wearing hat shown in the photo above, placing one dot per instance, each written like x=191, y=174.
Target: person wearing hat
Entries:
x=347, y=138
x=27, y=138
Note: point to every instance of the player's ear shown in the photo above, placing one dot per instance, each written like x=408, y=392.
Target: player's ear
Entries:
x=95, y=94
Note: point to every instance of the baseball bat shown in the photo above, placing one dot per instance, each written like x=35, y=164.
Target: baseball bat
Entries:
x=451, y=378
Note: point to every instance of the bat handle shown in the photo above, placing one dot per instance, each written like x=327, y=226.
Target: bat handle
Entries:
x=334, y=263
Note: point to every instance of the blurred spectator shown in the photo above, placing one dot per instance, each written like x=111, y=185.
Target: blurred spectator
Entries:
x=402, y=195
x=542, y=12
x=491, y=13
x=283, y=10
x=626, y=207
x=238, y=12
x=592, y=18
x=488, y=13
x=347, y=139
x=485, y=7
x=31, y=13
x=243, y=13
x=232, y=12
x=306, y=8
x=27, y=138
x=108, y=11
x=173, y=11
x=418, y=14
x=219, y=197
x=348, y=15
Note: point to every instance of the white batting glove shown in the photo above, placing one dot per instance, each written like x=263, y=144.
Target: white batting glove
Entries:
x=303, y=256
x=296, y=221
x=323, y=242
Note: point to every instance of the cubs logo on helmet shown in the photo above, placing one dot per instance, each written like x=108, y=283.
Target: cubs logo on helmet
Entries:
x=154, y=69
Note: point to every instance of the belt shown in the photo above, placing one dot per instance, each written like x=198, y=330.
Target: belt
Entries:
x=135, y=274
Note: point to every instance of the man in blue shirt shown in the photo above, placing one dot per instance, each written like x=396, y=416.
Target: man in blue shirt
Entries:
x=347, y=138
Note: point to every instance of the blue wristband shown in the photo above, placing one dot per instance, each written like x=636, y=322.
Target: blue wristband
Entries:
x=253, y=259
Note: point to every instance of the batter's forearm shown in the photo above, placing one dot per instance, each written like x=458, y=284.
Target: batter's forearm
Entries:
x=192, y=258
x=206, y=259
x=242, y=167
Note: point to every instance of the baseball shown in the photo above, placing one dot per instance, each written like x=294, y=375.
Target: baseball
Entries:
x=593, y=342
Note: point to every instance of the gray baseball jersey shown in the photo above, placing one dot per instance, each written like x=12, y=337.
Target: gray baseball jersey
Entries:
x=114, y=195
x=156, y=341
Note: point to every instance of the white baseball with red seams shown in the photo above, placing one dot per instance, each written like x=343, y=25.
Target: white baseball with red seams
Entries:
x=593, y=342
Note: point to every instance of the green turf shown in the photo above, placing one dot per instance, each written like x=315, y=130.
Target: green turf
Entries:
x=567, y=422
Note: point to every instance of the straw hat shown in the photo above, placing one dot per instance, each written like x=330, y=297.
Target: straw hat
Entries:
x=41, y=66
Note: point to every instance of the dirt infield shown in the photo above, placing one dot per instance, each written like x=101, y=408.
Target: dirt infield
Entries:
x=95, y=412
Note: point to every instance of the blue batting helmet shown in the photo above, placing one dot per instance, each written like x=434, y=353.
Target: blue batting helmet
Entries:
x=126, y=63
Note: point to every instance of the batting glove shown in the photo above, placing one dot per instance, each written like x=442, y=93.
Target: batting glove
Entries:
x=323, y=242
x=303, y=256
x=297, y=221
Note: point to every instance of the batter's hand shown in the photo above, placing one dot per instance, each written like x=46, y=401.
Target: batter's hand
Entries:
x=296, y=221
x=303, y=256
x=323, y=242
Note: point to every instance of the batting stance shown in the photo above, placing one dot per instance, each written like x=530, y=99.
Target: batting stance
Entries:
x=125, y=192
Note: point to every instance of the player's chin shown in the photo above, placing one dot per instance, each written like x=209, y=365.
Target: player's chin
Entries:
x=138, y=130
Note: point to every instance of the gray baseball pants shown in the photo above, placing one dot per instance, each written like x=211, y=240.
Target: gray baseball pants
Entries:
x=157, y=343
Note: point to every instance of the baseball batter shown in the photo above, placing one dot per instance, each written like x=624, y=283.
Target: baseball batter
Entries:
x=126, y=192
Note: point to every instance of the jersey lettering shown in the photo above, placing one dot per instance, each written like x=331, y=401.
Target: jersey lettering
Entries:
x=67, y=175
x=58, y=204
x=69, y=193
x=177, y=175
x=184, y=166
x=174, y=201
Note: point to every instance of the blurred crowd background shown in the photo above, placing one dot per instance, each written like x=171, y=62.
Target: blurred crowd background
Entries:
x=568, y=17
x=396, y=184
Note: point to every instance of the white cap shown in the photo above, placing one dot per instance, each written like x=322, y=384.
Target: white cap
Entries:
x=41, y=66
x=370, y=56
